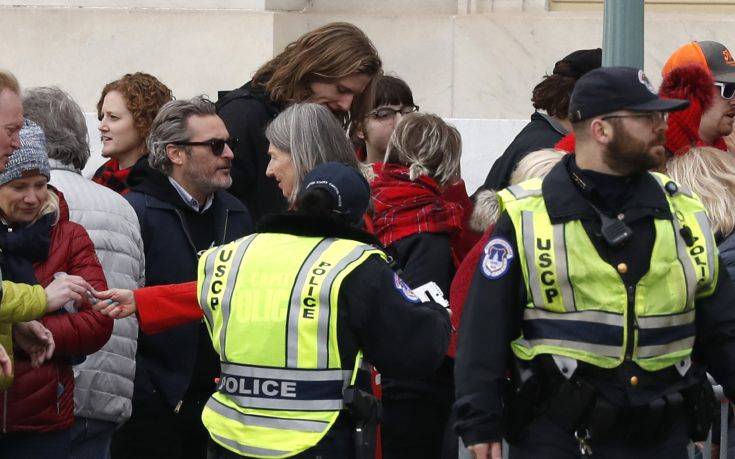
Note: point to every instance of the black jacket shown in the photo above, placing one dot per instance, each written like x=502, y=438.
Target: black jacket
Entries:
x=424, y=258
x=402, y=338
x=246, y=112
x=539, y=133
x=165, y=361
x=494, y=308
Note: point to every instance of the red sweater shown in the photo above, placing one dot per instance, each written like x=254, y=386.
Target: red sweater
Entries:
x=164, y=306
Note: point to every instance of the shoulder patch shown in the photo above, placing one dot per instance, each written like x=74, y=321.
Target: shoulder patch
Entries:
x=404, y=289
x=496, y=261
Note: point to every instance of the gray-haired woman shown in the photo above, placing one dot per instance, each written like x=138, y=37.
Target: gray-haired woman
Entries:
x=302, y=137
x=299, y=308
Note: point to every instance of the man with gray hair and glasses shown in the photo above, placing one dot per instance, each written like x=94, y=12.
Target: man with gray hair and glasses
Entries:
x=103, y=383
x=183, y=208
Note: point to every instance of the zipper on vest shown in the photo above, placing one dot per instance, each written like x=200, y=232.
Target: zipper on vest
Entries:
x=631, y=323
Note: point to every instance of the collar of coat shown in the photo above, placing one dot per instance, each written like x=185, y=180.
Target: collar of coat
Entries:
x=565, y=201
x=305, y=225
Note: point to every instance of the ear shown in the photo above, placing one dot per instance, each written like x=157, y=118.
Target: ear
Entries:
x=175, y=154
x=601, y=131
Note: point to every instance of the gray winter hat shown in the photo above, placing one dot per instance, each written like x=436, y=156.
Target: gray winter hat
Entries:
x=31, y=158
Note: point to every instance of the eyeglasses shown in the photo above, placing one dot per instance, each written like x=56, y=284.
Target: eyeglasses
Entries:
x=727, y=90
x=384, y=113
x=217, y=145
x=653, y=117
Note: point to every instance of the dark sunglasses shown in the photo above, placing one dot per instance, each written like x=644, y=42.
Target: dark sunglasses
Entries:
x=217, y=145
x=727, y=90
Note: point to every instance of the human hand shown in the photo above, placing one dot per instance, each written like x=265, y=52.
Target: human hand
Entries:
x=486, y=450
x=63, y=289
x=6, y=366
x=116, y=303
x=36, y=340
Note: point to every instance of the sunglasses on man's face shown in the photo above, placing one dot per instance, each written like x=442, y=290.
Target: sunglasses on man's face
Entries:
x=217, y=145
x=727, y=90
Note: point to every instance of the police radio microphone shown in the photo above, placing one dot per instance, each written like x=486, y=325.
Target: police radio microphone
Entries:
x=614, y=231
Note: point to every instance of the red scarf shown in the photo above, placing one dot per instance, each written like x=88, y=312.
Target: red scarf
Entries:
x=111, y=176
x=402, y=207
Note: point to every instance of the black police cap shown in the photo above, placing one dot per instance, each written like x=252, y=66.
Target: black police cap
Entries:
x=609, y=89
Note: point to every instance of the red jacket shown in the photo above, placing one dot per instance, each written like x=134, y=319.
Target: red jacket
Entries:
x=461, y=286
x=42, y=400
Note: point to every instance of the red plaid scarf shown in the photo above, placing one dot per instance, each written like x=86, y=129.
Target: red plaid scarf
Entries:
x=111, y=176
x=402, y=207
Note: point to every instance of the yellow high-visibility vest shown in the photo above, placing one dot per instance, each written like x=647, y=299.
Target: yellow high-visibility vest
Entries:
x=578, y=305
x=270, y=303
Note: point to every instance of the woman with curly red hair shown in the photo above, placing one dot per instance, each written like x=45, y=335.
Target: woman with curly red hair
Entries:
x=126, y=110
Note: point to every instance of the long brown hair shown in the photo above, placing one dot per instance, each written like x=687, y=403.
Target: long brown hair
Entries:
x=325, y=54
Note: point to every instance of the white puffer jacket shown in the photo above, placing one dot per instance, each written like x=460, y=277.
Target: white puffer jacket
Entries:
x=104, y=381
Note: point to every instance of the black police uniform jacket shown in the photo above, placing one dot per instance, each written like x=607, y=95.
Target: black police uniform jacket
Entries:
x=493, y=310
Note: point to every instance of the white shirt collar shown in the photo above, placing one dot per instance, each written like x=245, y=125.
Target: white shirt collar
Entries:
x=189, y=199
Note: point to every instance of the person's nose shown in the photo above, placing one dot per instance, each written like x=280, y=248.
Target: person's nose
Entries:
x=30, y=197
x=15, y=140
x=227, y=153
x=103, y=125
x=269, y=169
x=345, y=102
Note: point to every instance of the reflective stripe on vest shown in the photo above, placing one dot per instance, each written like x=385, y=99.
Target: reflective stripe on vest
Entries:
x=688, y=211
x=243, y=450
x=577, y=302
x=519, y=192
x=284, y=389
x=266, y=421
x=322, y=284
x=531, y=243
x=270, y=303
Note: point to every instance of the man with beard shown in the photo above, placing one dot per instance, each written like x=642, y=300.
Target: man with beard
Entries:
x=183, y=208
x=592, y=290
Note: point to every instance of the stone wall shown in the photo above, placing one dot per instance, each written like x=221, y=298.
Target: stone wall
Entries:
x=461, y=60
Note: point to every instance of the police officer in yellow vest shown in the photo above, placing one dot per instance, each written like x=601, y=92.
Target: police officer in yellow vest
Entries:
x=601, y=292
x=294, y=310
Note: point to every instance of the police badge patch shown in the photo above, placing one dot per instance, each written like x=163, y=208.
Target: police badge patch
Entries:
x=498, y=254
x=404, y=289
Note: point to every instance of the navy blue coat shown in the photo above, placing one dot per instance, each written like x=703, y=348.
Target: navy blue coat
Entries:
x=165, y=361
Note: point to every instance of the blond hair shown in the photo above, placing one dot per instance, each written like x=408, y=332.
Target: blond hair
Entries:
x=427, y=146
x=50, y=206
x=536, y=164
x=8, y=81
x=710, y=173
